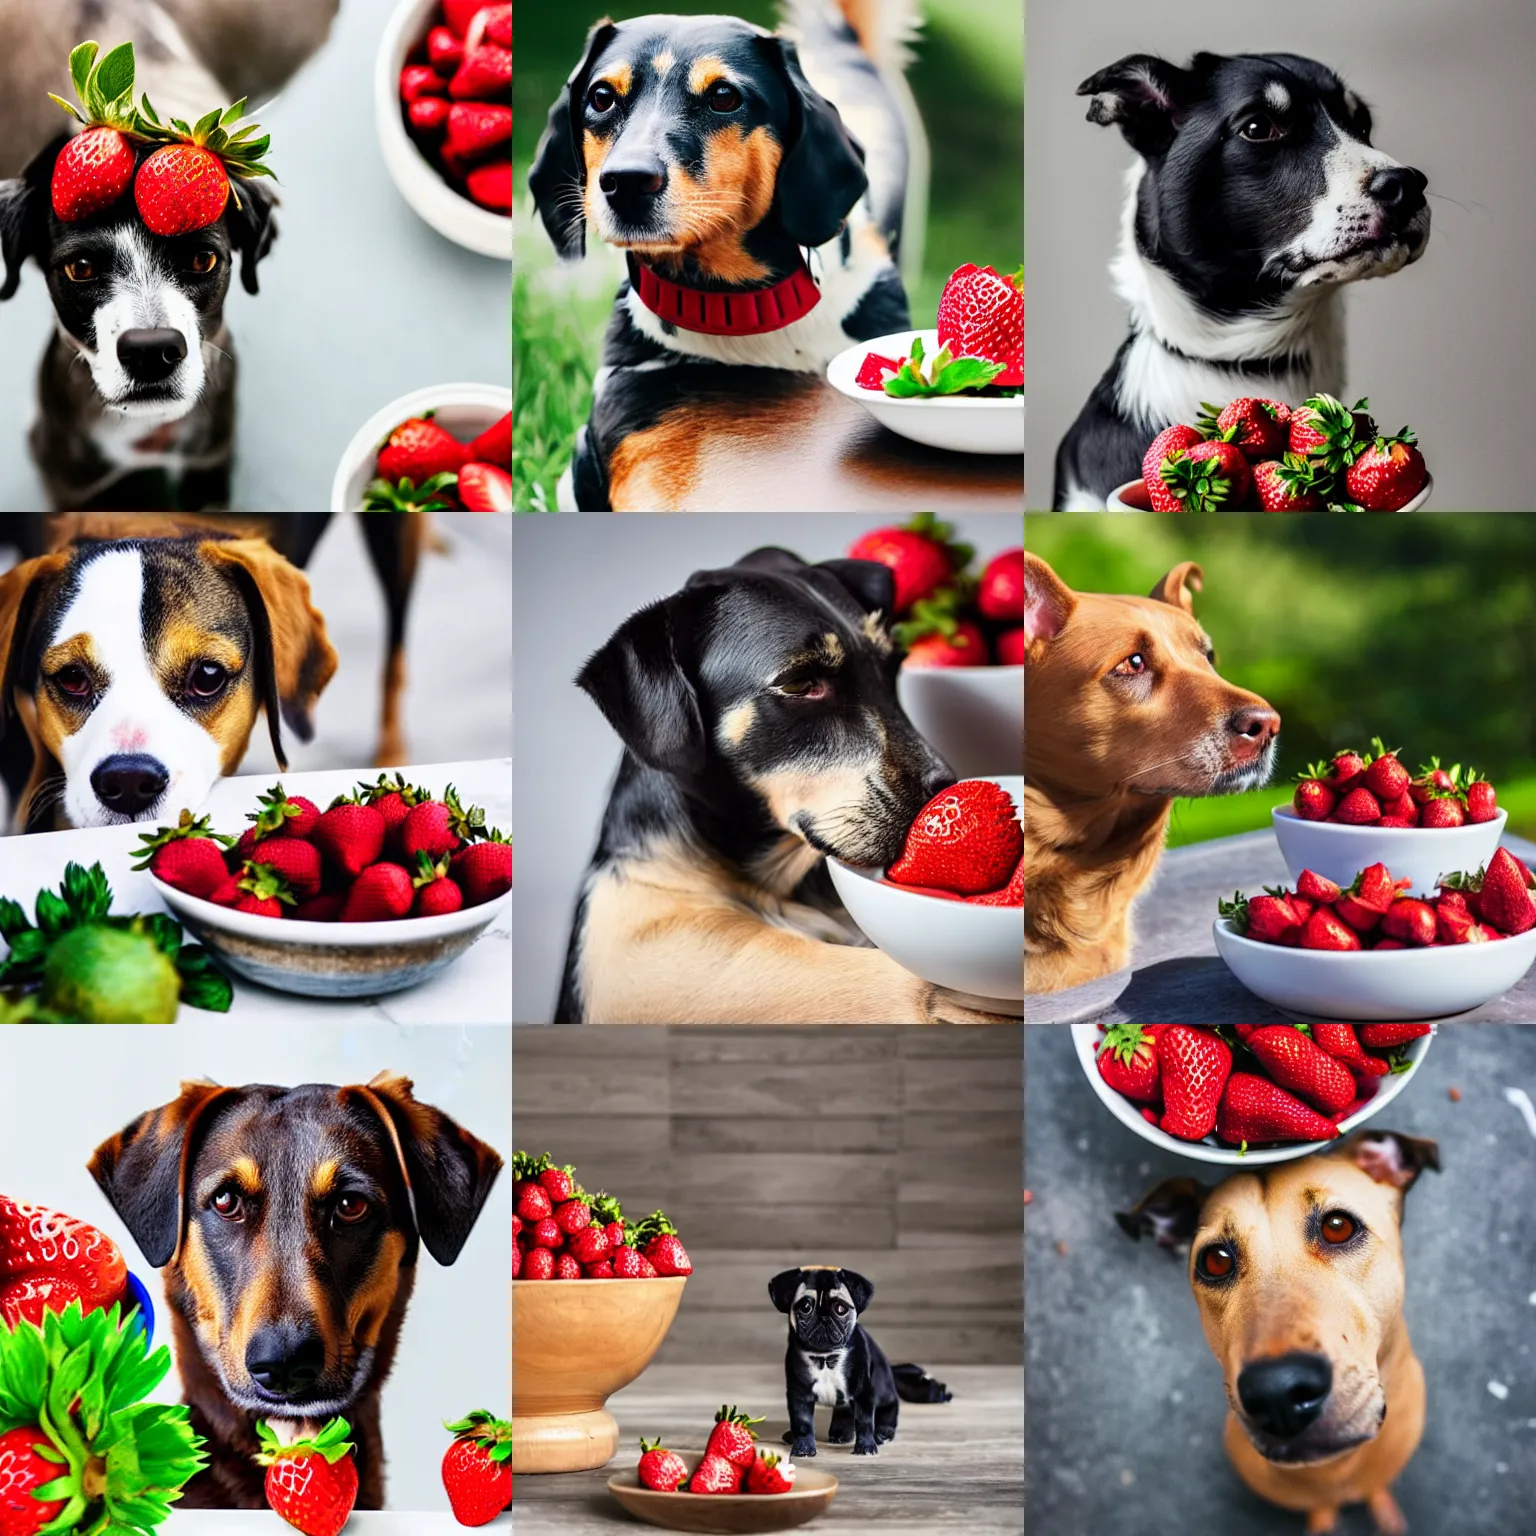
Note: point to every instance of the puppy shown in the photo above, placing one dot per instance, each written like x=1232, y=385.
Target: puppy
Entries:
x=288, y=1222
x=833, y=1362
x=1255, y=197
x=1123, y=712
x=1298, y=1272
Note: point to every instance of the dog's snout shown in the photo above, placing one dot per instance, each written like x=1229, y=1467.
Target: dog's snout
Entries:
x=1400, y=190
x=935, y=779
x=1284, y=1395
x=151, y=357
x=632, y=184
x=285, y=1360
x=130, y=783
x=1256, y=723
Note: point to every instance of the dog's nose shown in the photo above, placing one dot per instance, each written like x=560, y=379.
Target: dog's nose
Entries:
x=1257, y=723
x=285, y=1360
x=633, y=185
x=129, y=783
x=934, y=780
x=151, y=357
x=1282, y=1396
x=1400, y=190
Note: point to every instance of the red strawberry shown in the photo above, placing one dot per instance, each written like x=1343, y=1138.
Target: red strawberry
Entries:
x=1367, y=899
x=1128, y=1062
x=538, y=1264
x=483, y=870
x=1413, y=922
x=1328, y=430
x=498, y=25
x=1383, y=1037
x=490, y=185
x=1232, y=467
x=477, y=127
x=602, y=1270
x=290, y=815
x=1456, y=925
x=1482, y=801
x=1505, y=900
x=1358, y=808
x=981, y=314
x=1010, y=648
x=1432, y=781
x=1324, y=930
x=1200, y=479
x=590, y=1246
x=1011, y=895
x=460, y=13
x=1289, y=484
x=391, y=798
x=418, y=449
x=181, y=188
x=663, y=1248
x=1266, y=919
x=324, y=908
x=1301, y=1066
x=494, y=445
x=350, y=836
x=770, y=1474
x=566, y=1268
x=873, y=369
x=264, y=892
x=429, y=114
x=1177, y=439
x=439, y=827
x=547, y=1234
x=92, y=172
x=630, y=1264
x=1388, y=474
x=418, y=80
x=1405, y=808
x=1345, y=772
x=1254, y=424
x=22, y=1473
x=1255, y=1109
x=445, y=50
x=965, y=647
x=47, y=1260
x=1381, y=944
x=1195, y=1065
x=485, y=488
x=967, y=839
x=380, y=894
x=733, y=1437
x=294, y=861
x=662, y=1470
x=312, y=1484
x=517, y=1261
x=1442, y=813
x=1341, y=1042
x=486, y=73
x=187, y=856
x=477, y=1467
x=1317, y=888
x=436, y=894
x=1313, y=800
x=1000, y=592
x=922, y=556
x=573, y=1216
x=716, y=1475
x=1386, y=778
x=227, y=894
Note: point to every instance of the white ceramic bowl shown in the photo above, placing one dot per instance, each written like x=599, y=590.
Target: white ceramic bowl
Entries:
x=1086, y=1038
x=421, y=184
x=960, y=423
x=1421, y=854
x=1132, y=497
x=974, y=716
x=331, y=959
x=970, y=949
x=1396, y=985
x=466, y=410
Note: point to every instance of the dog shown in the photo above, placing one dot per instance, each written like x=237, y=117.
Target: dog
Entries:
x=1123, y=712
x=833, y=1362
x=1298, y=1271
x=137, y=385
x=1255, y=197
x=761, y=733
x=288, y=1223
x=759, y=231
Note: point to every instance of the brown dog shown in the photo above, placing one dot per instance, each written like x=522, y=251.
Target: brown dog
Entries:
x=1123, y=712
x=1298, y=1270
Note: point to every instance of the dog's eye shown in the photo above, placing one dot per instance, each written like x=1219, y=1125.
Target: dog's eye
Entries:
x=1132, y=666
x=1338, y=1228
x=74, y=681
x=1261, y=128
x=1216, y=1261
x=351, y=1209
x=229, y=1203
x=80, y=270
x=204, y=262
x=206, y=680
x=804, y=688
x=724, y=97
x=602, y=97
x=841, y=1309
x=806, y=1304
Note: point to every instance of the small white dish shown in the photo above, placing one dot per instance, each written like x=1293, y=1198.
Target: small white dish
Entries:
x=973, y=716
x=1339, y=852
x=960, y=423
x=1086, y=1038
x=1132, y=497
x=421, y=184
x=1394, y=986
x=465, y=410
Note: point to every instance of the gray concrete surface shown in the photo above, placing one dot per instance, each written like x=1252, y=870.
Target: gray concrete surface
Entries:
x=361, y=302
x=1125, y=1398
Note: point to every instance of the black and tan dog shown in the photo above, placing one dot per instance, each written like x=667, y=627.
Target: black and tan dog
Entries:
x=288, y=1222
x=762, y=732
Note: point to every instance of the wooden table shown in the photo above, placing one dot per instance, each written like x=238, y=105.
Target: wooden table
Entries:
x=1175, y=975
x=952, y=1467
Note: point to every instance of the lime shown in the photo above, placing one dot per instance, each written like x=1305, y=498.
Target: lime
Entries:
x=98, y=975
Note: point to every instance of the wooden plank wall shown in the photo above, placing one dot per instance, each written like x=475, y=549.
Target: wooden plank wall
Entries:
x=894, y=1152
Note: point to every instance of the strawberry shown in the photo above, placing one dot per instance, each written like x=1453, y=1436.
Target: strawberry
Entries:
x=380, y=894
x=534, y=1204
x=967, y=839
x=292, y=815
x=1411, y=921
x=325, y=908
x=1192, y=480
x=602, y=1270
x=350, y=836
x=474, y=128
x=1504, y=902
x=770, y=1474
x=1317, y=888
x=459, y=14
x=606, y=1210
x=1313, y=800
x=1255, y=1109
x=539, y=1264
x=391, y=798
x=294, y=861
x=1448, y=812
x=714, y=1474
x=873, y=369
x=436, y=894
x=662, y=1470
x=311, y=1483
x=187, y=856
x=1327, y=430
x=1456, y=925
x=95, y=168
x=22, y=1472
x=590, y=1246
x=186, y=184
x=498, y=24
x=965, y=647
x=1341, y=1042
x=547, y=1234
x=1172, y=440
x=1345, y=772
x=1363, y=904
x=1231, y=465
x=1128, y=1062
x=494, y=445
x=566, y=1267
x=438, y=494
x=1324, y=930
x=573, y=1216
x=733, y=1437
x=439, y=827
x=1432, y=782
x=477, y=1467
x=1195, y=1064
x=1289, y=484
x=264, y=892
x=1011, y=895
x=922, y=556
x=1304, y=1068
x=428, y=114
x=1405, y=809
x=490, y=185
x=48, y=1260
x=1358, y=808
x=981, y=314
x=418, y=449
x=1266, y=919
x=1010, y=648
x=630, y=1264
x=1386, y=778
x=558, y=1182
x=485, y=488
x=445, y=50
x=418, y=80
x=486, y=73
x=1254, y=426
x=1383, y=1037
x=662, y=1246
x=227, y=894
x=1388, y=474
x=1482, y=800
x=1000, y=591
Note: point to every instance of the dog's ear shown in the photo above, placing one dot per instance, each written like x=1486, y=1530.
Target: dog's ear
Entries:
x=1169, y=1212
x=449, y=1173
x=1048, y=601
x=861, y=1290
x=143, y=1169
x=872, y=583
x=558, y=179
x=1179, y=585
x=821, y=176
x=639, y=682
x=251, y=227
x=1143, y=95
x=1391, y=1158
x=771, y=557
x=294, y=655
x=782, y=1288
x=24, y=206
x=20, y=588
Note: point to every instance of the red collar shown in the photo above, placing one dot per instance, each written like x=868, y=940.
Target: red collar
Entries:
x=751, y=312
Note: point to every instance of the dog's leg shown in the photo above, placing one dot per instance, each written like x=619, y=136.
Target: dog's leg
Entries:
x=1389, y=1519
x=840, y=1431
x=394, y=549
x=802, y=1424
x=885, y=1420
x=864, y=1442
x=1322, y=1521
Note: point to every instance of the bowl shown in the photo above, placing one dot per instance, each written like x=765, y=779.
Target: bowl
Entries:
x=466, y=410
x=421, y=184
x=960, y=423
x=138, y=1298
x=974, y=716
x=978, y=951
x=1132, y=497
x=331, y=959
x=726, y=1512
x=574, y=1344
x=1086, y=1037
x=1421, y=854
x=1391, y=987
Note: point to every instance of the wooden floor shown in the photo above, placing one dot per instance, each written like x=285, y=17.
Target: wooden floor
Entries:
x=952, y=1467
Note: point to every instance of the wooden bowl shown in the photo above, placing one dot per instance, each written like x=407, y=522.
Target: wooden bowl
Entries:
x=574, y=1343
x=726, y=1512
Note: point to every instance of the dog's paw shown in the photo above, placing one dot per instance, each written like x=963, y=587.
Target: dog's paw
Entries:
x=866, y=1448
x=802, y=1446
x=840, y=1437
x=884, y=1436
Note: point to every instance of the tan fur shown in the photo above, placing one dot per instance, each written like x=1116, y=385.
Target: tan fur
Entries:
x=370, y=1304
x=621, y=76
x=705, y=72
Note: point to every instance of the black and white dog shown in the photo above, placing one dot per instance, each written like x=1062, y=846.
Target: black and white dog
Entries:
x=832, y=1361
x=1256, y=195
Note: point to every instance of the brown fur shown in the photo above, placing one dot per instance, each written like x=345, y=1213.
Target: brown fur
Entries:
x=1106, y=754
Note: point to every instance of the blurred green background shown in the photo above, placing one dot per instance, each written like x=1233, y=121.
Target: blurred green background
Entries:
x=1420, y=630
x=968, y=78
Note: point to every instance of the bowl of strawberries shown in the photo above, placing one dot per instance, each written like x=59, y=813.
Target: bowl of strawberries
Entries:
x=1244, y=1094
x=1258, y=455
x=443, y=108
x=378, y=892
x=578, y=1342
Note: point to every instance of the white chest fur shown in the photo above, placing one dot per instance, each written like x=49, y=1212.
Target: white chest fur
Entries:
x=829, y=1379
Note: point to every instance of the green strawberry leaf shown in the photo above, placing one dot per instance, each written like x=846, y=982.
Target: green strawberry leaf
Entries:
x=80, y=62
x=233, y=114
x=114, y=75
x=53, y=914
x=13, y=920
x=203, y=984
